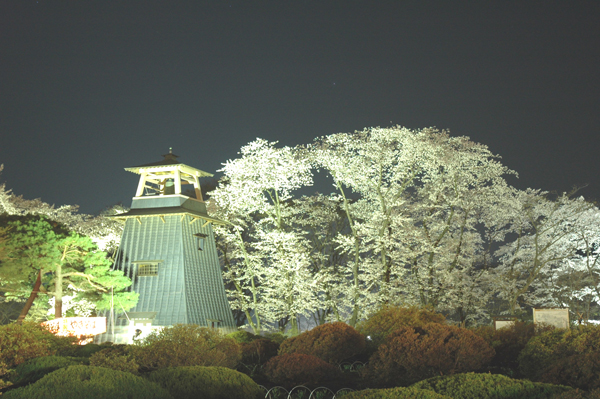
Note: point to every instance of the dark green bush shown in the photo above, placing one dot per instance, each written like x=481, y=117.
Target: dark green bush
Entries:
x=79, y=382
x=19, y=343
x=564, y=356
x=508, y=342
x=489, y=386
x=275, y=336
x=258, y=351
x=395, y=393
x=242, y=336
x=206, y=383
x=412, y=354
x=581, y=370
x=187, y=345
x=294, y=369
x=34, y=369
x=390, y=318
x=117, y=357
x=331, y=342
x=82, y=350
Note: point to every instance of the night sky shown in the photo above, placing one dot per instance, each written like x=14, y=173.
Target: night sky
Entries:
x=88, y=88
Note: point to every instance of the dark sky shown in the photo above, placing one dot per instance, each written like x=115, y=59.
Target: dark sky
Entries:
x=90, y=87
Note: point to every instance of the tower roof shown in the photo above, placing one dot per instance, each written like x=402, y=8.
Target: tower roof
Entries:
x=169, y=162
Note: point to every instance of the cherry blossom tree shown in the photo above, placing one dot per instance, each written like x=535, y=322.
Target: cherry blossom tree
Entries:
x=271, y=272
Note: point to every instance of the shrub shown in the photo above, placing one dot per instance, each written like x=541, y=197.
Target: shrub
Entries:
x=206, y=382
x=579, y=394
x=275, y=337
x=546, y=357
x=76, y=382
x=508, y=342
x=395, y=393
x=34, y=369
x=390, y=318
x=492, y=386
x=82, y=350
x=116, y=357
x=414, y=353
x=258, y=351
x=332, y=342
x=298, y=369
x=581, y=370
x=21, y=342
x=187, y=345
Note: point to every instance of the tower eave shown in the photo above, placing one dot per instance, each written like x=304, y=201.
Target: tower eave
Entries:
x=167, y=211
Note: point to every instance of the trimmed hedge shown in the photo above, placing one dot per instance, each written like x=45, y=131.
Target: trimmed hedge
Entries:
x=34, y=369
x=489, y=386
x=77, y=382
x=412, y=354
x=331, y=342
x=294, y=369
x=206, y=383
x=395, y=393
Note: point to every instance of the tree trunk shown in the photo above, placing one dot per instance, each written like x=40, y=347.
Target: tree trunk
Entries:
x=36, y=289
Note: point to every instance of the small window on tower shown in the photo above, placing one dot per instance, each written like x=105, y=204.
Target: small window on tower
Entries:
x=147, y=268
x=201, y=238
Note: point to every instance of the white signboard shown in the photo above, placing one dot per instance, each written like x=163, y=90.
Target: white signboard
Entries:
x=558, y=318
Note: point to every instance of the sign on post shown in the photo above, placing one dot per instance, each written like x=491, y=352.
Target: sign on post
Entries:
x=557, y=317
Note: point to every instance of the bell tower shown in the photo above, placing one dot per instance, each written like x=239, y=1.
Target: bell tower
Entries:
x=168, y=250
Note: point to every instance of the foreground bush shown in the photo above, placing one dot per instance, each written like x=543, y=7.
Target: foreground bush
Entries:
x=489, y=386
x=390, y=318
x=117, y=357
x=34, y=369
x=294, y=369
x=508, y=342
x=412, y=354
x=564, y=356
x=395, y=393
x=21, y=342
x=78, y=382
x=206, y=383
x=331, y=342
x=187, y=345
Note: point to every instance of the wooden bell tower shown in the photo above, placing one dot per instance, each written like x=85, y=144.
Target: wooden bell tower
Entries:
x=168, y=250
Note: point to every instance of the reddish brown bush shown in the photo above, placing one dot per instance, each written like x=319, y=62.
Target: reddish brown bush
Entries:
x=294, y=369
x=412, y=354
x=390, y=318
x=332, y=342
